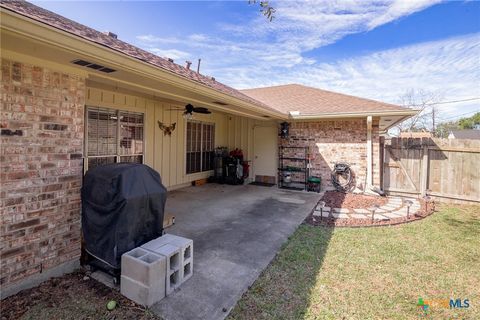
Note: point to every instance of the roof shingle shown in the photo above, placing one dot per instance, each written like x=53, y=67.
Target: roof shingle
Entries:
x=466, y=134
x=313, y=101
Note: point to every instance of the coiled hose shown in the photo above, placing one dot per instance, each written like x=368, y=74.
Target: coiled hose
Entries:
x=343, y=178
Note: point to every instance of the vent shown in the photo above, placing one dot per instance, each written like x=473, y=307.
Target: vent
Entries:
x=110, y=34
x=81, y=62
x=94, y=66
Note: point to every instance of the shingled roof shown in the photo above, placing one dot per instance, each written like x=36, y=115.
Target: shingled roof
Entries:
x=465, y=134
x=59, y=22
x=313, y=101
x=279, y=99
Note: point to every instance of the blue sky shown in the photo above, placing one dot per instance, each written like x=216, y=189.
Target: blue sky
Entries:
x=375, y=49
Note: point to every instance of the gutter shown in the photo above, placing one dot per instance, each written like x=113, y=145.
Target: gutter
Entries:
x=407, y=113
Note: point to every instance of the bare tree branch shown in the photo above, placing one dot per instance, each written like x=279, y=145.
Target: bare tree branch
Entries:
x=426, y=118
x=265, y=8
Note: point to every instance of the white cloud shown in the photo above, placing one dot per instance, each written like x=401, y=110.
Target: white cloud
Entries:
x=198, y=37
x=399, y=9
x=299, y=26
x=259, y=53
x=449, y=68
x=170, y=53
x=306, y=25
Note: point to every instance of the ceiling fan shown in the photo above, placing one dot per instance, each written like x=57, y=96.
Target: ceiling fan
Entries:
x=190, y=109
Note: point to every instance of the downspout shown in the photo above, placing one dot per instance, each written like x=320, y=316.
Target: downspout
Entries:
x=369, y=187
x=369, y=182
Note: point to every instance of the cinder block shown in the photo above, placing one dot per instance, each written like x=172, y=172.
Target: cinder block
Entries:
x=173, y=281
x=186, y=246
x=186, y=257
x=172, y=254
x=173, y=259
x=144, y=266
x=157, y=243
x=187, y=270
x=179, y=267
x=140, y=293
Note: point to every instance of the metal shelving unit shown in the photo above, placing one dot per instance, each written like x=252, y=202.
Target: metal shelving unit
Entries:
x=284, y=153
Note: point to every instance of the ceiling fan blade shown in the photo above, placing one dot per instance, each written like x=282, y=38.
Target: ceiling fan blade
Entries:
x=201, y=110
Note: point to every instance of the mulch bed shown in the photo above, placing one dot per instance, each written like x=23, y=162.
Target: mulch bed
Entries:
x=336, y=199
x=367, y=202
x=73, y=296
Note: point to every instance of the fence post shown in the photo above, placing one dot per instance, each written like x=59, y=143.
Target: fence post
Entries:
x=424, y=175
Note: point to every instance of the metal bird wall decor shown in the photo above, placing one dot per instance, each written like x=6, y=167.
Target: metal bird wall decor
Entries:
x=167, y=130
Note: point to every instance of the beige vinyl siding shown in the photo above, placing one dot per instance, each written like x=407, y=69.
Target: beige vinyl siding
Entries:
x=167, y=154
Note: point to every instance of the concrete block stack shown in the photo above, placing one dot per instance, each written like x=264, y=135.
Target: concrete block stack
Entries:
x=143, y=276
x=179, y=251
x=156, y=269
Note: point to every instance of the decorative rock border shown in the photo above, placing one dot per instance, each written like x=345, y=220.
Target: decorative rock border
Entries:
x=396, y=211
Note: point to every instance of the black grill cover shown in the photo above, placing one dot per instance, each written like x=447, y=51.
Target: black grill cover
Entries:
x=122, y=208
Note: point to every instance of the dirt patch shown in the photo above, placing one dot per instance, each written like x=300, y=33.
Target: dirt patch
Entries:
x=73, y=296
x=336, y=199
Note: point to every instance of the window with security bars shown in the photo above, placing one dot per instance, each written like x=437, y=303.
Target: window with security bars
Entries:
x=114, y=136
x=200, y=146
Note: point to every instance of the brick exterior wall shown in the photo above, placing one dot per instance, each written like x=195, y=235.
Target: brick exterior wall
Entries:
x=334, y=141
x=41, y=169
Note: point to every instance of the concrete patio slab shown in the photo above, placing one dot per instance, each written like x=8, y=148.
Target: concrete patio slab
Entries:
x=236, y=232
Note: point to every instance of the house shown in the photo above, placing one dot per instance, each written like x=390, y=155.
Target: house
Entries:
x=417, y=134
x=74, y=98
x=464, y=134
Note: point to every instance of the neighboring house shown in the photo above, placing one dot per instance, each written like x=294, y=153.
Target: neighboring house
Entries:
x=73, y=98
x=419, y=134
x=464, y=134
x=336, y=127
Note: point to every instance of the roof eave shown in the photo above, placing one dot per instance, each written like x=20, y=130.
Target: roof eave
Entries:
x=407, y=113
x=12, y=21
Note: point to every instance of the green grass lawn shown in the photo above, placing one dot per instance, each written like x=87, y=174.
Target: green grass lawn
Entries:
x=372, y=273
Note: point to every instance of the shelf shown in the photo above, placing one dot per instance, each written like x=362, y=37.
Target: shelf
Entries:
x=301, y=182
x=300, y=168
x=288, y=170
x=292, y=188
x=288, y=158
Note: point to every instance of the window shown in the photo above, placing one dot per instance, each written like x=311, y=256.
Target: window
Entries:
x=200, y=145
x=113, y=136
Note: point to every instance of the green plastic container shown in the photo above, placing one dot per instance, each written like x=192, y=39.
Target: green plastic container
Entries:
x=314, y=180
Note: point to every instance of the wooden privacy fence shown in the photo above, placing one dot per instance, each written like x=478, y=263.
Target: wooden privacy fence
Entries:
x=444, y=168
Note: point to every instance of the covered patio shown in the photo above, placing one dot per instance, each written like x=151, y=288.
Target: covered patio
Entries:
x=236, y=231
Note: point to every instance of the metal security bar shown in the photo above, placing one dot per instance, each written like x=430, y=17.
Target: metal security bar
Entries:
x=113, y=136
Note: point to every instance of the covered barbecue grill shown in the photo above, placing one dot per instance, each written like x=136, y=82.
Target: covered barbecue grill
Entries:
x=122, y=208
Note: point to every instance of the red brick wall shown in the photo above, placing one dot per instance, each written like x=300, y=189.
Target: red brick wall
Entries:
x=41, y=169
x=333, y=141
